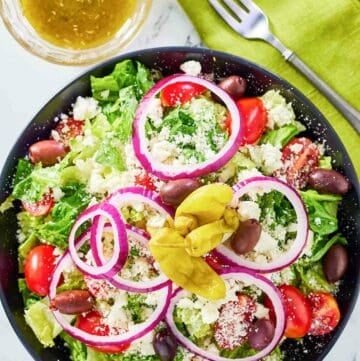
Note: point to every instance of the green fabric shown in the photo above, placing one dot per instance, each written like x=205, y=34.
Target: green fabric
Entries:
x=325, y=34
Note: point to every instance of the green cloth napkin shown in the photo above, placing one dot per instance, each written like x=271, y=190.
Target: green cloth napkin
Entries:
x=325, y=34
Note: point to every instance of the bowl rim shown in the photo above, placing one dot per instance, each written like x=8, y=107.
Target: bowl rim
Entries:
x=231, y=58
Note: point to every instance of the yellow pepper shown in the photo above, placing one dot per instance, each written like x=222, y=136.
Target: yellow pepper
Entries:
x=200, y=223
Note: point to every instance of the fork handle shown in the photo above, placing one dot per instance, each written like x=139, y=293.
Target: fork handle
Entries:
x=349, y=112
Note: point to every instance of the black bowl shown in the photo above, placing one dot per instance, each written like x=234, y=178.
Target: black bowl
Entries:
x=168, y=60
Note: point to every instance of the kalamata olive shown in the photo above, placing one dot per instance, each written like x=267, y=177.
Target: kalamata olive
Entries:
x=174, y=192
x=234, y=85
x=335, y=263
x=73, y=302
x=261, y=333
x=165, y=345
x=328, y=181
x=48, y=152
x=246, y=236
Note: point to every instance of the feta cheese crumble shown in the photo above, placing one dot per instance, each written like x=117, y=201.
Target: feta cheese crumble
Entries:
x=191, y=67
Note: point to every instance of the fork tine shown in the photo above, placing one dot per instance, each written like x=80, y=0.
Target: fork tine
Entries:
x=250, y=5
x=224, y=14
x=237, y=9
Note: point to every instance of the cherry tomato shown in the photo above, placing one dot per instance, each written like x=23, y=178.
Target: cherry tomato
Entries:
x=41, y=207
x=228, y=335
x=268, y=304
x=300, y=157
x=68, y=129
x=227, y=124
x=254, y=115
x=39, y=266
x=180, y=93
x=325, y=313
x=146, y=181
x=92, y=323
x=215, y=262
x=298, y=312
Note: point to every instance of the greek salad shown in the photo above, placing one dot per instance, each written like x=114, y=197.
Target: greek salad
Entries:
x=178, y=218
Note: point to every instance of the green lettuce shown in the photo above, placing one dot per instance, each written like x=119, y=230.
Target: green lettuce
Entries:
x=280, y=137
x=78, y=350
x=322, y=211
x=241, y=351
x=29, y=298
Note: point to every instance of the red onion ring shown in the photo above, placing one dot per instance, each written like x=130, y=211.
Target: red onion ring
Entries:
x=137, y=332
x=124, y=284
x=125, y=196
x=249, y=278
x=302, y=229
x=165, y=171
x=121, y=247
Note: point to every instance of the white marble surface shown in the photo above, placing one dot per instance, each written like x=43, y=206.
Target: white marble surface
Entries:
x=26, y=83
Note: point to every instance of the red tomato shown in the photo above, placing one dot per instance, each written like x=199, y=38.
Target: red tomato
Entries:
x=214, y=261
x=227, y=124
x=300, y=157
x=298, y=312
x=41, y=207
x=180, y=93
x=234, y=322
x=325, y=313
x=254, y=115
x=92, y=323
x=146, y=181
x=69, y=129
x=39, y=266
x=268, y=304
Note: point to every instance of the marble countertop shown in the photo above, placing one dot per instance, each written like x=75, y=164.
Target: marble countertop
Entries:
x=27, y=82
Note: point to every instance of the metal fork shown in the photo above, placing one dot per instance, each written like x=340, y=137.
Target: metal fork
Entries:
x=253, y=24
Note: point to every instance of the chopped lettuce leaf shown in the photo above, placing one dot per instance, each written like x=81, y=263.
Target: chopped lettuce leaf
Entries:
x=43, y=323
x=135, y=306
x=312, y=278
x=110, y=154
x=29, y=298
x=280, y=137
x=323, y=244
x=189, y=320
x=78, y=350
x=39, y=181
x=322, y=211
x=325, y=162
x=7, y=204
x=56, y=230
x=93, y=355
x=276, y=355
x=241, y=351
x=74, y=280
x=23, y=170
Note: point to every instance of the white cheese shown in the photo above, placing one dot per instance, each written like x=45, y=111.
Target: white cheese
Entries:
x=248, y=210
x=163, y=150
x=209, y=313
x=266, y=243
x=261, y=311
x=85, y=108
x=156, y=221
x=266, y=157
x=155, y=112
x=57, y=193
x=191, y=67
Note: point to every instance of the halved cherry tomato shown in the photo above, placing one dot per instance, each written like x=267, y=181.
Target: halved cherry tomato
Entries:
x=38, y=268
x=180, y=93
x=254, y=116
x=325, y=313
x=215, y=262
x=92, y=323
x=300, y=157
x=298, y=312
x=146, y=181
x=234, y=321
x=268, y=304
x=41, y=207
x=69, y=129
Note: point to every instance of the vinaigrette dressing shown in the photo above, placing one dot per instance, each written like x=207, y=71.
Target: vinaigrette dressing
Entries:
x=77, y=24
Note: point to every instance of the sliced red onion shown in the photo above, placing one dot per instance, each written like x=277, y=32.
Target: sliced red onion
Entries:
x=249, y=278
x=129, y=195
x=165, y=171
x=302, y=228
x=121, y=248
x=128, y=285
x=139, y=330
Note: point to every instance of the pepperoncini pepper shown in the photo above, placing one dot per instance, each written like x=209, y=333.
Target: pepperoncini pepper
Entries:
x=200, y=223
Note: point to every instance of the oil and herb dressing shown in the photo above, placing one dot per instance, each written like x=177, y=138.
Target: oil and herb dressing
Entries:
x=77, y=24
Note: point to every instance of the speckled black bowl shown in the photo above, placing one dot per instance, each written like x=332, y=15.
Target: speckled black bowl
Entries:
x=168, y=60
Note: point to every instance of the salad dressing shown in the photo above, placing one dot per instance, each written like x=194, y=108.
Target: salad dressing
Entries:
x=77, y=24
